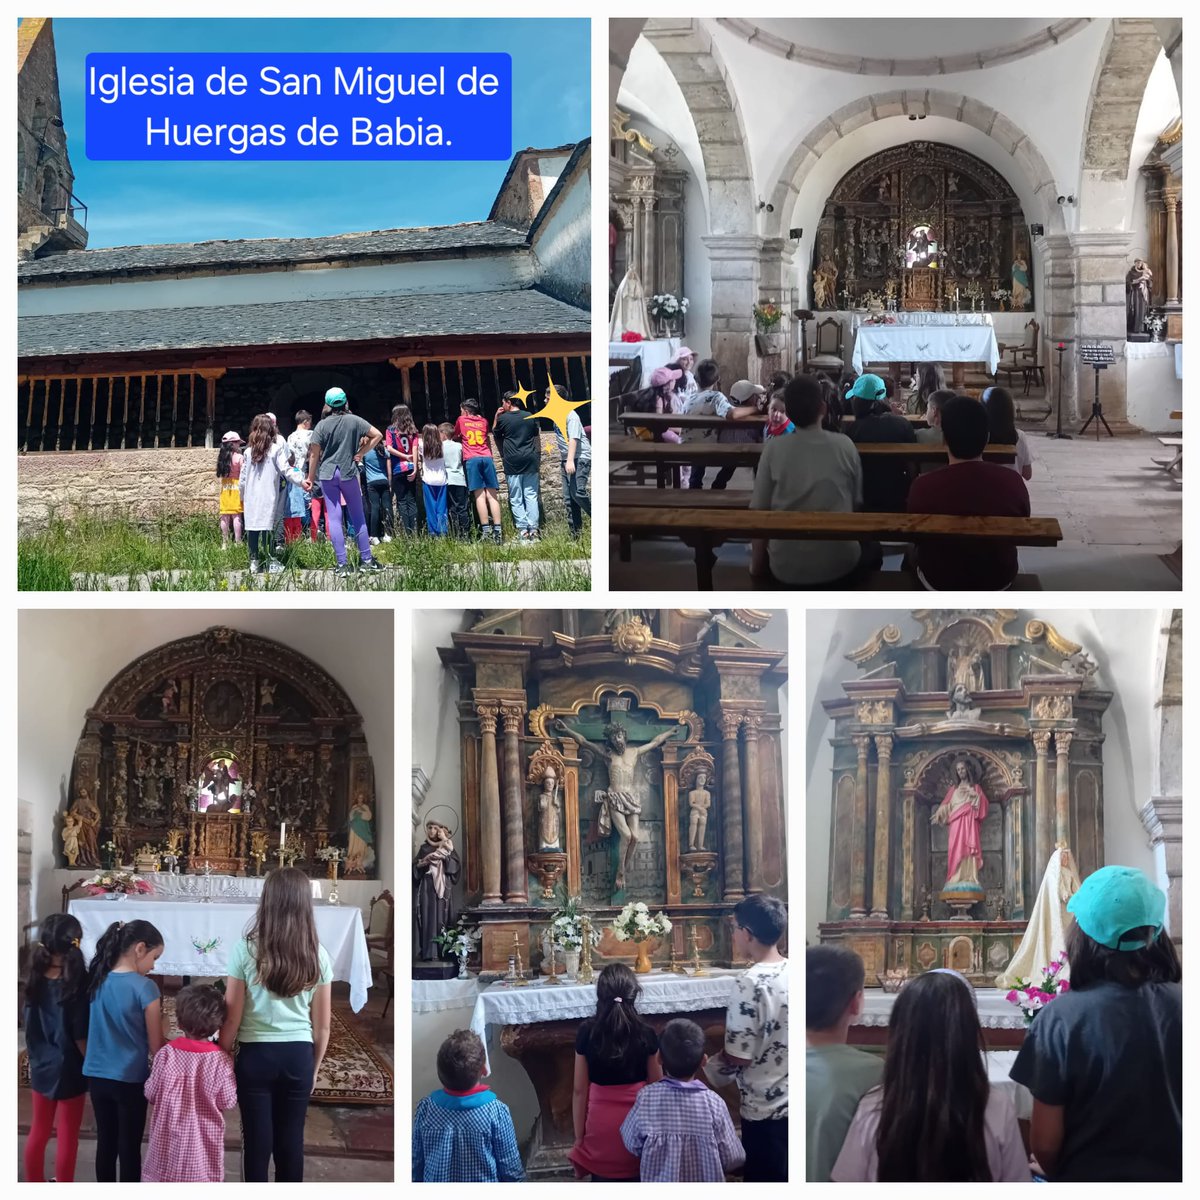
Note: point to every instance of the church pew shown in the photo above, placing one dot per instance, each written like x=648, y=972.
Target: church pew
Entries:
x=659, y=423
x=703, y=529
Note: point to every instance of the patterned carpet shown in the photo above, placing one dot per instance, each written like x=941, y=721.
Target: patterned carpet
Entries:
x=353, y=1071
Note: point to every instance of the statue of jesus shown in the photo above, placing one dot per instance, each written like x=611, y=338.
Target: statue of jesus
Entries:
x=620, y=804
x=962, y=811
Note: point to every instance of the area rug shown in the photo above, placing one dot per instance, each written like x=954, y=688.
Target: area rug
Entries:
x=352, y=1072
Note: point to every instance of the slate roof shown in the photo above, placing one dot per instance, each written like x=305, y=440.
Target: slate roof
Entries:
x=255, y=252
x=299, y=322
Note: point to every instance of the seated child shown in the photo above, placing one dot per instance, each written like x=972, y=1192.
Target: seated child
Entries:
x=464, y=1133
x=777, y=419
x=678, y=1127
x=191, y=1084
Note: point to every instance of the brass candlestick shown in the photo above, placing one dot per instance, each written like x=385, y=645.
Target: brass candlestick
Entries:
x=519, y=979
x=585, y=973
x=697, y=965
x=552, y=978
x=674, y=966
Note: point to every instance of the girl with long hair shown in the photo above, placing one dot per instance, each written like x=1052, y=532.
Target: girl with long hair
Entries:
x=935, y=1118
x=56, y=1023
x=433, y=480
x=1105, y=1061
x=125, y=1029
x=930, y=378
x=229, y=468
x=401, y=440
x=262, y=468
x=278, y=1011
x=832, y=418
x=457, y=494
x=616, y=1055
x=1002, y=428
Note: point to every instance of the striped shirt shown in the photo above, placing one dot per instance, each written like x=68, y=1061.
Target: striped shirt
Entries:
x=681, y=1132
x=465, y=1139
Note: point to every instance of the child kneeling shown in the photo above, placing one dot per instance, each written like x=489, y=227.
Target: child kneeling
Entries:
x=464, y=1133
x=678, y=1128
x=191, y=1084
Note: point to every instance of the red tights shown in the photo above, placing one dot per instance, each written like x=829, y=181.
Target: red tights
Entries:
x=66, y=1137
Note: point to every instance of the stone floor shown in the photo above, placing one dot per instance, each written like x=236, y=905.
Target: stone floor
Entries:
x=344, y=1143
x=1119, y=514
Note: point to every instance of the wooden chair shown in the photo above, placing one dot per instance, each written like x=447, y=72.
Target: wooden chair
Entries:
x=381, y=942
x=1025, y=358
x=68, y=889
x=827, y=353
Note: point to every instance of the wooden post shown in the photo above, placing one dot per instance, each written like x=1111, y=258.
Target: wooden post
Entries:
x=489, y=803
x=1062, y=791
x=210, y=375
x=517, y=891
x=883, y=825
x=1041, y=803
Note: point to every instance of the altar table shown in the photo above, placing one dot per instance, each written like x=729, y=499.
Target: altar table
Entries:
x=654, y=352
x=229, y=887
x=197, y=938
x=860, y=318
x=926, y=343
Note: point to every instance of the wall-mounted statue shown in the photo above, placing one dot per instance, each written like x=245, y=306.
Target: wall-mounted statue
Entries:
x=549, y=813
x=360, y=838
x=699, y=800
x=961, y=706
x=87, y=813
x=964, y=665
x=70, y=838
x=962, y=811
x=1138, y=282
x=435, y=873
x=825, y=284
x=1021, y=294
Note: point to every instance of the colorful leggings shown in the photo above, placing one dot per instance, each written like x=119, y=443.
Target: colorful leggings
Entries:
x=335, y=490
x=69, y=1114
x=229, y=520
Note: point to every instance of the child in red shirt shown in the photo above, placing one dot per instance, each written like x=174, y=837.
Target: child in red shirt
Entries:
x=191, y=1084
x=471, y=429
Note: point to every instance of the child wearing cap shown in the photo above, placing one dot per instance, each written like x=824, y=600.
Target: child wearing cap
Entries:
x=1105, y=1061
x=229, y=468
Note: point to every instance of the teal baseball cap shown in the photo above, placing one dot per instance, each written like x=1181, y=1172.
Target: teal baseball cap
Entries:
x=871, y=387
x=1114, y=900
x=335, y=397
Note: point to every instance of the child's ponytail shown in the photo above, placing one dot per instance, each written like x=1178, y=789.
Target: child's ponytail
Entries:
x=119, y=937
x=59, y=937
x=617, y=1020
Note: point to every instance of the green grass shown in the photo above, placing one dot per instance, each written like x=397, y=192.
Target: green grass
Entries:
x=99, y=552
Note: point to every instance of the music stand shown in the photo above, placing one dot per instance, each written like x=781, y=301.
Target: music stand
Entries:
x=1099, y=356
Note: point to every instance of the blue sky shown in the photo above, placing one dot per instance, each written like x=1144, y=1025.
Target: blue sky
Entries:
x=136, y=203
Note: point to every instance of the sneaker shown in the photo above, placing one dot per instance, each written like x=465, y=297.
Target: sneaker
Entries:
x=371, y=568
x=387, y=537
x=498, y=535
x=344, y=573
x=254, y=566
x=374, y=541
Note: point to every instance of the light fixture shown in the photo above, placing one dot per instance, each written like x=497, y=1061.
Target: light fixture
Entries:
x=1065, y=200
x=917, y=116
x=1037, y=230
x=795, y=234
x=762, y=204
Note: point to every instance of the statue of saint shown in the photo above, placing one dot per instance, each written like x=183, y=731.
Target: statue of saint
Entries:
x=87, y=813
x=825, y=285
x=629, y=313
x=1021, y=294
x=435, y=872
x=962, y=811
x=965, y=665
x=360, y=839
x=620, y=804
x=961, y=708
x=1137, y=295
x=699, y=801
x=70, y=838
x=549, y=817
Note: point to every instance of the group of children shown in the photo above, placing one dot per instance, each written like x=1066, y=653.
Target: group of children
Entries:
x=97, y=1030
x=1103, y=1061
x=641, y=1108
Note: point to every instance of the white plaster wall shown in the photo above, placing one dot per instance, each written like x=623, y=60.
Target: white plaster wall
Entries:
x=1153, y=392
x=563, y=243
x=507, y=270
x=1123, y=642
x=67, y=656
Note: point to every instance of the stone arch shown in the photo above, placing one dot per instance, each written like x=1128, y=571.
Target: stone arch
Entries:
x=878, y=106
x=1130, y=52
x=1162, y=813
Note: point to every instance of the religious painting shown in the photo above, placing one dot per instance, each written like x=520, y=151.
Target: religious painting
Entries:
x=921, y=249
x=220, y=785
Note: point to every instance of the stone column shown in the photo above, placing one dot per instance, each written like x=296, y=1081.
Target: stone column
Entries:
x=517, y=891
x=774, y=275
x=731, y=807
x=733, y=260
x=1062, y=790
x=1162, y=818
x=752, y=806
x=1100, y=316
x=858, y=849
x=489, y=803
x=1171, y=204
x=883, y=825
x=1042, y=845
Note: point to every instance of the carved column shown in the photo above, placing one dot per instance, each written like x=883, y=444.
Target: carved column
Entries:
x=1171, y=203
x=1042, y=844
x=489, y=803
x=1062, y=791
x=883, y=825
x=752, y=806
x=517, y=891
x=731, y=807
x=906, y=854
x=858, y=849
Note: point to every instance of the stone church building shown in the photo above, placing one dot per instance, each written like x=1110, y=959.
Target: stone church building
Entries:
x=784, y=148
x=133, y=360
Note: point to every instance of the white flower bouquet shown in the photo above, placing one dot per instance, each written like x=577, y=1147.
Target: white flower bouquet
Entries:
x=668, y=305
x=635, y=924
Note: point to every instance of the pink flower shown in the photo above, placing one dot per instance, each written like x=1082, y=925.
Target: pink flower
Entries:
x=1055, y=967
x=1064, y=985
x=1012, y=997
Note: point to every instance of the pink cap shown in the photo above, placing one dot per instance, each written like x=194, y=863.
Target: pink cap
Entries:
x=231, y=436
x=684, y=352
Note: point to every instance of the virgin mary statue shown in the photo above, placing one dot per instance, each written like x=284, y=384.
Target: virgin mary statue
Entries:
x=1046, y=934
x=629, y=313
x=962, y=811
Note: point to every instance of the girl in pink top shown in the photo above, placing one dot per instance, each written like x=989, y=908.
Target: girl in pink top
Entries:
x=191, y=1084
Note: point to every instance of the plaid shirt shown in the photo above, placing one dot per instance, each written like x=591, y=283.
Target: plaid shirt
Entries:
x=190, y=1084
x=465, y=1139
x=682, y=1133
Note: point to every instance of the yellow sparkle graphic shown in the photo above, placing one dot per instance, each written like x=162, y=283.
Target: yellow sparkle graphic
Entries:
x=557, y=409
x=521, y=395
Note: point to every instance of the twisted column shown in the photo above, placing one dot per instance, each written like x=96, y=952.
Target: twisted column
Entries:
x=1041, y=811
x=752, y=805
x=1062, y=792
x=858, y=851
x=517, y=891
x=731, y=807
x=489, y=803
x=883, y=825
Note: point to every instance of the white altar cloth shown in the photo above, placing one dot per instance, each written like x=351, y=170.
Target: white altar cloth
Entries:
x=994, y=1011
x=444, y=995
x=999, y=1063
x=654, y=353
x=926, y=343
x=188, y=927
x=859, y=316
x=501, y=1004
x=228, y=887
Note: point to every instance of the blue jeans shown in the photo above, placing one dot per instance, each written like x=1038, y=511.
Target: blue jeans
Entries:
x=523, y=498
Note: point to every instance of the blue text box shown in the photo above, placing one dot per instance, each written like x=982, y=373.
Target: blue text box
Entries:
x=298, y=107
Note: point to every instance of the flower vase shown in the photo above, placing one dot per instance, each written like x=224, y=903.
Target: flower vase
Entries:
x=643, y=965
x=333, y=891
x=462, y=966
x=570, y=963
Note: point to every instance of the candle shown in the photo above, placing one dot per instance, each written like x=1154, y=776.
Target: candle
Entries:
x=282, y=836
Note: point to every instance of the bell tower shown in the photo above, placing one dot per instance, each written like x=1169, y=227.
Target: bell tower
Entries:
x=50, y=219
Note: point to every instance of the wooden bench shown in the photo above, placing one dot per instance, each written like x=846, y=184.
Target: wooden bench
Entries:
x=1175, y=443
x=704, y=529
x=659, y=423
x=642, y=497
